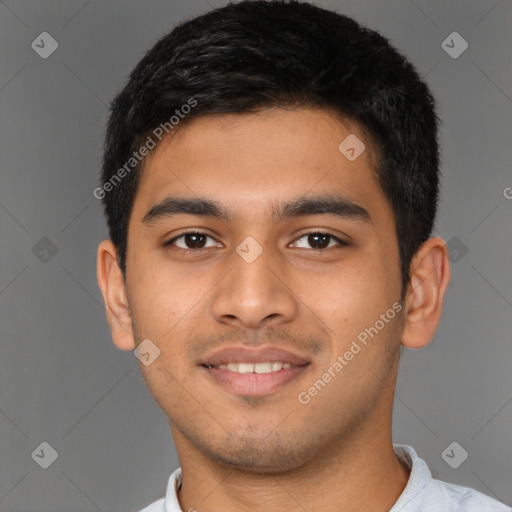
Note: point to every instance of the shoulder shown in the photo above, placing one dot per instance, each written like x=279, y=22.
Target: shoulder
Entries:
x=460, y=499
x=426, y=494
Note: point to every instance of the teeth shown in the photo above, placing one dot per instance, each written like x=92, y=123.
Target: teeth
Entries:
x=266, y=367
x=245, y=368
x=262, y=367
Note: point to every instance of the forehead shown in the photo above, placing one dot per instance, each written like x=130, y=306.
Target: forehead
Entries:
x=255, y=161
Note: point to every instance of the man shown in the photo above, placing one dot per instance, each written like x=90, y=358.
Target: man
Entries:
x=270, y=183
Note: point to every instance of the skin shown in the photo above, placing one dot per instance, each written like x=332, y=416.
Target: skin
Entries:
x=240, y=453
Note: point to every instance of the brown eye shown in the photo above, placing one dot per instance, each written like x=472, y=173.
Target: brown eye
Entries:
x=191, y=241
x=319, y=240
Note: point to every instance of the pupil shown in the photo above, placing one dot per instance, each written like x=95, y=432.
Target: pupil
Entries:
x=195, y=244
x=313, y=240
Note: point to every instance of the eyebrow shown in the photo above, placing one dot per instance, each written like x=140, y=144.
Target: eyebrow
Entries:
x=335, y=205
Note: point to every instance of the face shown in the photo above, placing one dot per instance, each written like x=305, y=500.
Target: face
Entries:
x=285, y=256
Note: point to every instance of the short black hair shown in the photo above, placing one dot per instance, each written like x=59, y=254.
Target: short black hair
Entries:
x=252, y=55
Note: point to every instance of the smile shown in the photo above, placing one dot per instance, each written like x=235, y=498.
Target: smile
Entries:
x=266, y=367
x=254, y=379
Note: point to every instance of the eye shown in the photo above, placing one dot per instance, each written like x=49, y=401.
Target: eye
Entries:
x=320, y=240
x=196, y=241
x=193, y=240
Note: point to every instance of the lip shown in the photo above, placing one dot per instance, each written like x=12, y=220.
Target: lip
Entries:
x=253, y=384
x=247, y=355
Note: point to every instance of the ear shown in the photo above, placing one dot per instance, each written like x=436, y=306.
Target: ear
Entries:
x=111, y=283
x=429, y=279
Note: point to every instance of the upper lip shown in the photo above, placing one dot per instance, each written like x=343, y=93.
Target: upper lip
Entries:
x=248, y=355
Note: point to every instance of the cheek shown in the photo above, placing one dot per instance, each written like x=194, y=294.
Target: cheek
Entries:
x=352, y=297
x=163, y=298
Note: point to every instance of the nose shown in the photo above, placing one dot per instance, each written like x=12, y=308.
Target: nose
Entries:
x=256, y=293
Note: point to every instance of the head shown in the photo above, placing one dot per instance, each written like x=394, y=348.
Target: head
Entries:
x=310, y=139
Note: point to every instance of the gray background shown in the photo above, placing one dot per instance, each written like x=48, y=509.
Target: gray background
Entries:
x=62, y=380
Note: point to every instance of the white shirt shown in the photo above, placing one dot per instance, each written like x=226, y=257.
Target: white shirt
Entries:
x=421, y=494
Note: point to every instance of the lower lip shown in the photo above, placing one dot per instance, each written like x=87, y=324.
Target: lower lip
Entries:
x=254, y=384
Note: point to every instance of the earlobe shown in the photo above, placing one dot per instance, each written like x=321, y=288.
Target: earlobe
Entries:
x=429, y=279
x=111, y=283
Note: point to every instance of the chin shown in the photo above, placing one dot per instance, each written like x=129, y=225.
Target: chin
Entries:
x=265, y=465
x=259, y=456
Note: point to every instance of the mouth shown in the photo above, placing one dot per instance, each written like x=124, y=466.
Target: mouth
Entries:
x=265, y=367
x=250, y=372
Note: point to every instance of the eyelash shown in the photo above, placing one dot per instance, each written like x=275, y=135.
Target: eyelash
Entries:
x=323, y=233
